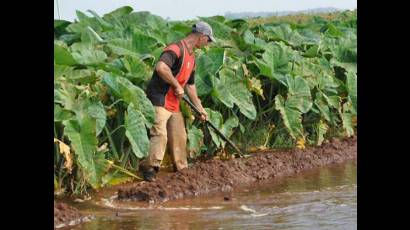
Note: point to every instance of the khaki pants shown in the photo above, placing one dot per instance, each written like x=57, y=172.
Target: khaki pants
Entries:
x=168, y=130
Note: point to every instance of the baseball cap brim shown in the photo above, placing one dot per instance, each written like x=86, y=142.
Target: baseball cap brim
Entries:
x=212, y=38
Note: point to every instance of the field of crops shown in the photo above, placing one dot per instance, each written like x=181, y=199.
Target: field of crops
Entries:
x=265, y=84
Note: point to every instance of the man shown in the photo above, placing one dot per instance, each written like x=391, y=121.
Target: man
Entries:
x=174, y=71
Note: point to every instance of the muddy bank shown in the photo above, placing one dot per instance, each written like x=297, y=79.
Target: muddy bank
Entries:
x=65, y=215
x=216, y=175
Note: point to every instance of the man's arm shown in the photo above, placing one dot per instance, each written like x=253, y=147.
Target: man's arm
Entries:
x=191, y=91
x=165, y=73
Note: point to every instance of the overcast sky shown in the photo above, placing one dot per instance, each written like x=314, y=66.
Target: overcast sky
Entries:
x=190, y=9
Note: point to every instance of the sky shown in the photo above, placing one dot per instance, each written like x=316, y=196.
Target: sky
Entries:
x=190, y=9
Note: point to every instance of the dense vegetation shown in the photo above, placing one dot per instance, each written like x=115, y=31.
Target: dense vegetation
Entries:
x=269, y=84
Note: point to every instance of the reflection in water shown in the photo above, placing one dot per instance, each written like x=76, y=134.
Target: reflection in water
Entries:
x=323, y=198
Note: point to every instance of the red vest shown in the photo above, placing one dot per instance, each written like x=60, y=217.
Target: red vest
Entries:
x=188, y=63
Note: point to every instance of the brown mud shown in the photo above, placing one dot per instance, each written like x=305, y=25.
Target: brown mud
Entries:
x=222, y=176
x=66, y=215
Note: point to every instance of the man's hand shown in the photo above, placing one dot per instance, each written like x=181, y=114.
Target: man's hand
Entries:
x=179, y=92
x=204, y=115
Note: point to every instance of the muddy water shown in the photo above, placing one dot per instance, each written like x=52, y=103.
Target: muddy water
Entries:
x=324, y=198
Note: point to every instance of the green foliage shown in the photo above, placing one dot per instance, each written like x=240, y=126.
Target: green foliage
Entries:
x=297, y=78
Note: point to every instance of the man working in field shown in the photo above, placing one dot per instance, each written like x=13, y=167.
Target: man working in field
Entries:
x=174, y=71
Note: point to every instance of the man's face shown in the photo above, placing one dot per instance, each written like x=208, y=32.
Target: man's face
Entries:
x=204, y=40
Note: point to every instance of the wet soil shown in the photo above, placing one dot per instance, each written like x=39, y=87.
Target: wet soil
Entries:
x=64, y=214
x=222, y=176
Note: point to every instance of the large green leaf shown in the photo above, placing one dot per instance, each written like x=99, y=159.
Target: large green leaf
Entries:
x=292, y=118
x=146, y=21
x=274, y=61
x=143, y=44
x=231, y=89
x=221, y=91
x=137, y=46
x=96, y=110
x=255, y=42
x=123, y=47
x=124, y=89
x=210, y=62
x=284, y=33
x=207, y=65
x=181, y=27
x=299, y=96
x=172, y=36
x=117, y=13
x=195, y=137
x=216, y=119
x=136, y=132
x=82, y=135
x=220, y=30
x=137, y=69
x=86, y=54
x=332, y=30
x=204, y=84
x=62, y=56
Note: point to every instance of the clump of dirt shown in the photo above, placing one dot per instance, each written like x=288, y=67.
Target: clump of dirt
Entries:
x=216, y=175
x=65, y=214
